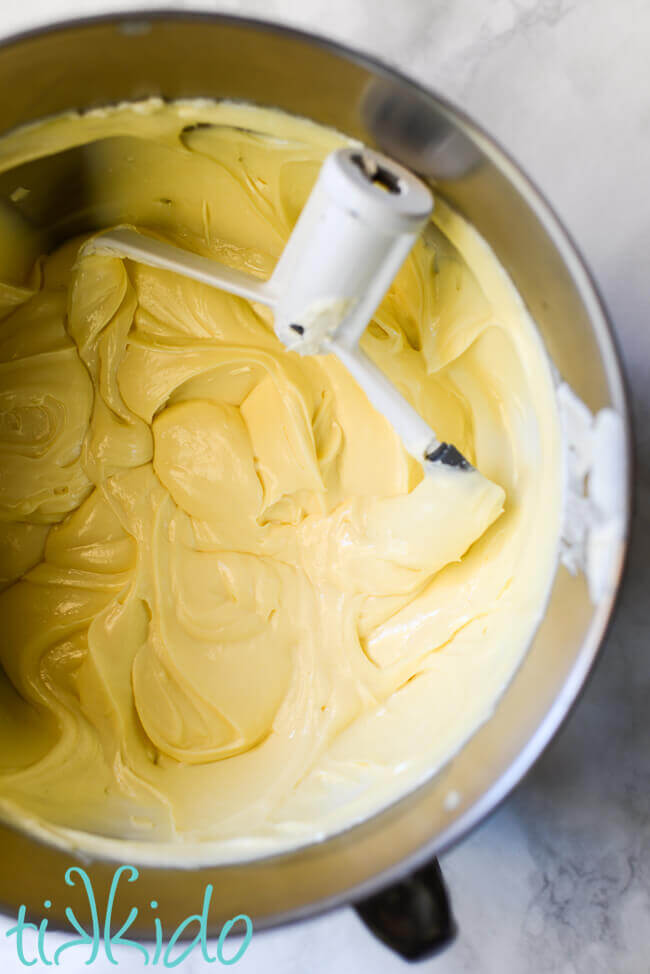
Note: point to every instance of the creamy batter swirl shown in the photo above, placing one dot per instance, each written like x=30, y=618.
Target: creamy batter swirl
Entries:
x=233, y=609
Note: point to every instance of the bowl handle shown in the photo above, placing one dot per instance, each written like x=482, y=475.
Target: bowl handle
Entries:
x=412, y=917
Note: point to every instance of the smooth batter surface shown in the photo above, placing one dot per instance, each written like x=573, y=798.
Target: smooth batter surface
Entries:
x=232, y=609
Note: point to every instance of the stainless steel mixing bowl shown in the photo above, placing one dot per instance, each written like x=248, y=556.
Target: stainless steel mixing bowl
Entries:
x=90, y=63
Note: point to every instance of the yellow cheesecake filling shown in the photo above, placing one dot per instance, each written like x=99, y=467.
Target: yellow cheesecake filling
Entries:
x=234, y=612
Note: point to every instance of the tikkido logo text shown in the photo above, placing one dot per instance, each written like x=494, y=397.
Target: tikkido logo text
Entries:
x=31, y=938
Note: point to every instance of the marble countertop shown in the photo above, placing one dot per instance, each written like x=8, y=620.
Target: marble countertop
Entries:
x=558, y=879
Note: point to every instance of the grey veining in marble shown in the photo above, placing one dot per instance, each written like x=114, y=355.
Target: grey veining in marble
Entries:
x=559, y=879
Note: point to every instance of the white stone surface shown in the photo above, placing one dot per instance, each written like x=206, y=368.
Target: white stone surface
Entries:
x=559, y=879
